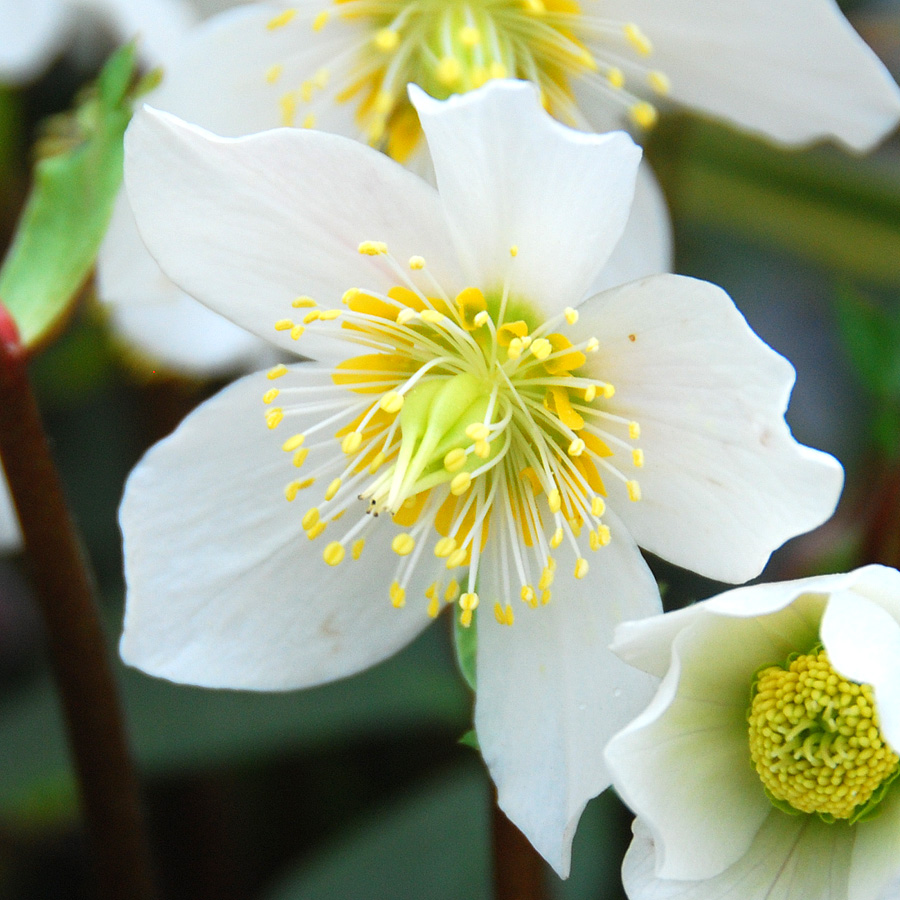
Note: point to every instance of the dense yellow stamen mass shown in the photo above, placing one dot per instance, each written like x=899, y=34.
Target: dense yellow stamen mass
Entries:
x=815, y=740
x=438, y=427
x=453, y=46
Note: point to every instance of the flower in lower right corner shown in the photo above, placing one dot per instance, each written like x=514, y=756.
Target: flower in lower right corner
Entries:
x=766, y=765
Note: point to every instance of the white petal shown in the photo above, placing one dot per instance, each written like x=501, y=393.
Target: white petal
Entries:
x=224, y=588
x=863, y=644
x=645, y=248
x=30, y=34
x=724, y=483
x=683, y=765
x=10, y=537
x=876, y=852
x=550, y=695
x=792, y=858
x=158, y=319
x=245, y=225
x=791, y=69
x=508, y=174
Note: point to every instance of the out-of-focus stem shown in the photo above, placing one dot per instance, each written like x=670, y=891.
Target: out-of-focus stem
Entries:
x=78, y=653
x=518, y=867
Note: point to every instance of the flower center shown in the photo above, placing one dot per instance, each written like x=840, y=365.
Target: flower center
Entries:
x=453, y=46
x=815, y=740
x=467, y=420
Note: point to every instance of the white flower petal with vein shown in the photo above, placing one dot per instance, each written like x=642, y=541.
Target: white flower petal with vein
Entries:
x=454, y=438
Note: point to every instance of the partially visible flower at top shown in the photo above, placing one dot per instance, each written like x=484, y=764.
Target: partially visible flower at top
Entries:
x=479, y=431
x=766, y=764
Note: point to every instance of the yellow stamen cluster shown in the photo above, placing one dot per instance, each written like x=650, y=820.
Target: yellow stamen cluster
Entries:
x=468, y=419
x=453, y=46
x=815, y=739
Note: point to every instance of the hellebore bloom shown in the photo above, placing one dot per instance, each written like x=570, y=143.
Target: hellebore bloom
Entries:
x=477, y=429
x=765, y=765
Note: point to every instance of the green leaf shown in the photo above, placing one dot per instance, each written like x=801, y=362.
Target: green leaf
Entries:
x=70, y=204
x=465, y=640
x=470, y=739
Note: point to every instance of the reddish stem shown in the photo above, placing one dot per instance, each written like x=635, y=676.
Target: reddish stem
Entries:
x=519, y=870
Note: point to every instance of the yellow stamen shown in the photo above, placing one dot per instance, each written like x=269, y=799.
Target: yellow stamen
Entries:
x=333, y=553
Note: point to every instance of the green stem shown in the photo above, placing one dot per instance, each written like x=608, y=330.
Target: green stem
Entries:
x=78, y=651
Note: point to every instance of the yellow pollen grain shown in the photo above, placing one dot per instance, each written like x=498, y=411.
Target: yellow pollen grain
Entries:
x=638, y=40
x=557, y=538
x=571, y=315
x=456, y=558
x=634, y=490
x=373, y=248
x=527, y=594
x=643, y=114
x=608, y=390
x=434, y=606
x=616, y=77
x=546, y=596
x=455, y=460
x=554, y=500
x=398, y=595
x=541, y=348
x=452, y=591
x=277, y=372
x=391, y=402
x=273, y=73
x=333, y=488
x=315, y=531
x=598, y=507
x=469, y=601
x=333, y=553
x=270, y=395
x=417, y=263
x=581, y=567
x=660, y=83
x=310, y=519
x=590, y=392
x=281, y=19
x=637, y=457
x=290, y=492
x=546, y=579
x=403, y=544
x=576, y=448
x=444, y=547
x=469, y=36
x=351, y=442
x=482, y=449
x=603, y=535
x=274, y=417
x=477, y=431
x=300, y=457
x=634, y=430
x=321, y=20
x=514, y=250
x=292, y=443
x=284, y=325
x=303, y=302
x=504, y=614
x=358, y=547
x=460, y=484
x=297, y=332
x=386, y=39
x=448, y=71
x=432, y=590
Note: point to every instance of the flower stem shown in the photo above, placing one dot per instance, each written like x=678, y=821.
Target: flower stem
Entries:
x=78, y=652
x=518, y=867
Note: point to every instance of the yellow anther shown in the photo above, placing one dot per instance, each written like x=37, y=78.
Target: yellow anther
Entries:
x=608, y=390
x=358, y=547
x=373, y=248
x=514, y=350
x=465, y=618
x=634, y=490
x=482, y=449
x=312, y=316
x=333, y=553
x=398, y=595
x=616, y=77
x=306, y=91
x=315, y=531
x=590, y=392
x=592, y=346
x=377, y=460
x=449, y=70
x=643, y=114
x=288, y=104
x=281, y=19
x=638, y=39
x=455, y=460
x=477, y=431
x=270, y=395
x=416, y=263
x=456, y=558
x=321, y=77
x=527, y=594
x=546, y=578
x=387, y=39
x=274, y=417
x=557, y=538
x=541, y=348
x=504, y=614
x=452, y=591
x=497, y=70
x=660, y=83
x=277, y=372
x=444, y=547
x=391, y=402
x=290, y=492
x=551, y=563
x=329, y=315
x=581, y=567
x=403, y=544
x=300, y=457
x=284, y=325
x=321, y=20
x=432, y=590
x=460, y=484
x=303, y=302
x=481, y=319
x=637, y=457
x=554, y=500
x=333, y=488
x=351, y=442
x=406, y=315
x=309, y=121
x=434, y=606
x=571, y=315
x=634, y=430
x=432, y=316
x=350, y=294
x=383, y=102
x=514, y=250
x=469, y=36
x=598, y=507
x=273, y=73
x=603, y=535
x=576, y=448
x=310, y=519
x=546, y=596
x=469, y=601
x=536, y=7
x=297, y=332
x=292, y=443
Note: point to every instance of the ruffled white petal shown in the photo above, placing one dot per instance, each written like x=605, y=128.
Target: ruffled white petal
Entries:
x=724, y=482
x=30, y=34
x=265, y=218
x=10, y=537
x=224, y=588
x=792, y=858
x=863, y=644
x=550, y=694
x=876, y=853
x=509, y=175
x=794, y=70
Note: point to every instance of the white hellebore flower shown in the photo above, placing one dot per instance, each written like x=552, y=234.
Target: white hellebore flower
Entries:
x=478, y=429
x=764, y=768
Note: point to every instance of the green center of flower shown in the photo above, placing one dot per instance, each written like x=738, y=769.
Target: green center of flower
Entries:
x=815, y=740
x=453, y=46
x=467, y=419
